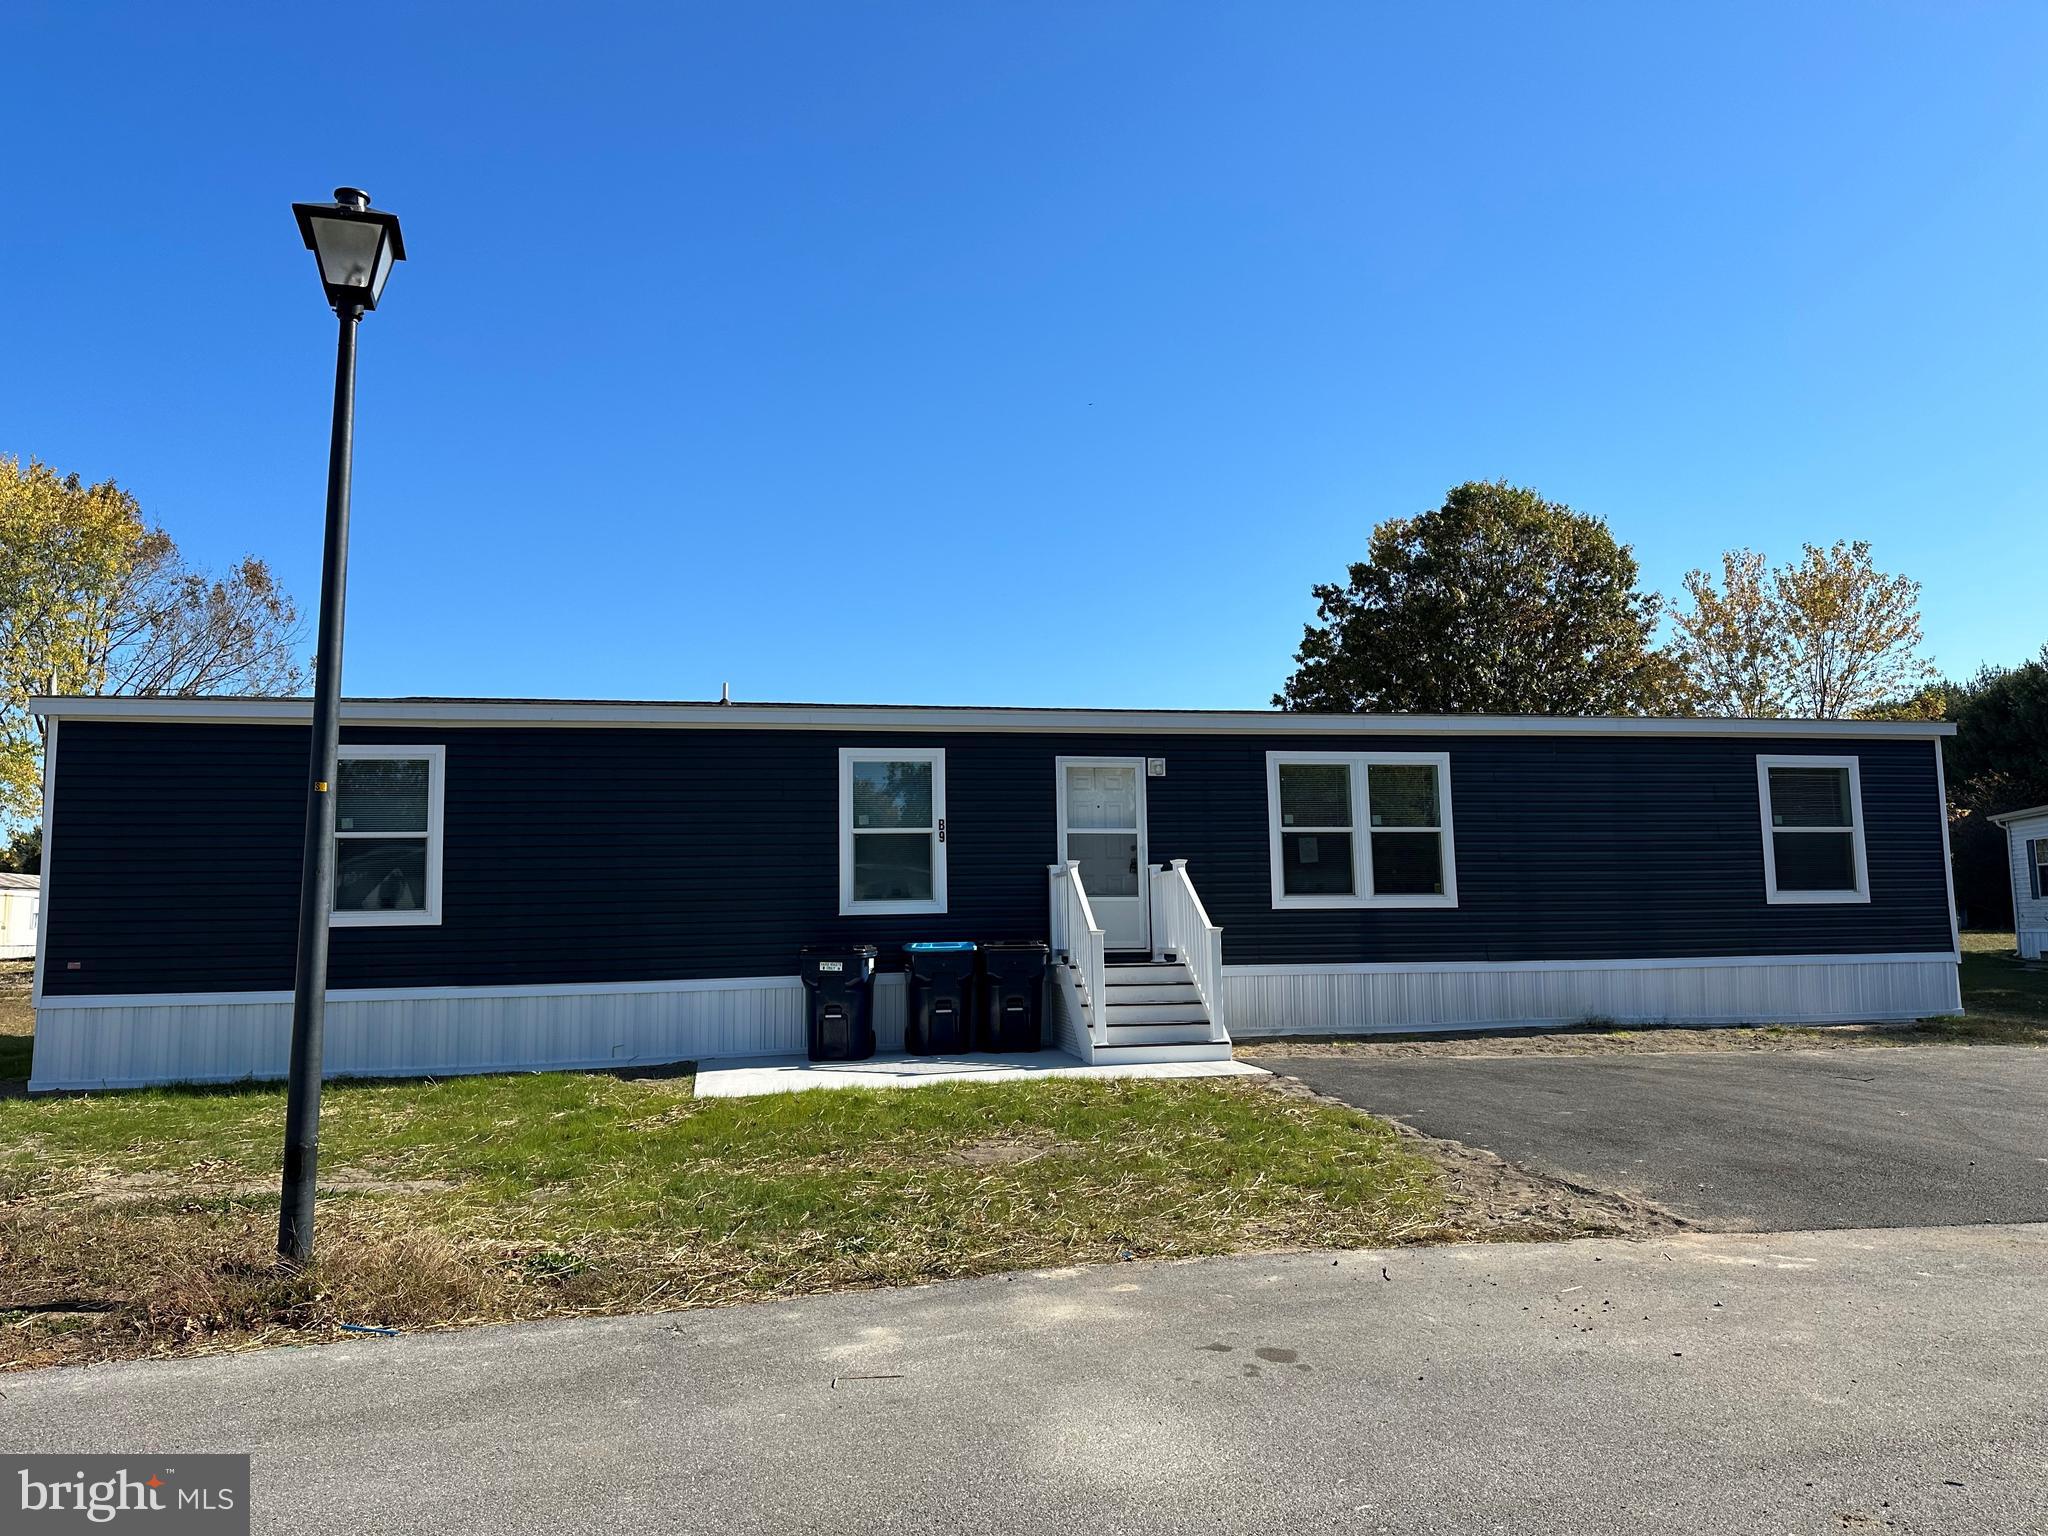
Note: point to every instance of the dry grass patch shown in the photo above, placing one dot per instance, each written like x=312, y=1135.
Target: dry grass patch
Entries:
x=17, y=1022
x=142, y=1223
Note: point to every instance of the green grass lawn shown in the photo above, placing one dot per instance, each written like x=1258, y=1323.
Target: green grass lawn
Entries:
x=2004, y=1001
x=17, y=1022
x=142, y=1223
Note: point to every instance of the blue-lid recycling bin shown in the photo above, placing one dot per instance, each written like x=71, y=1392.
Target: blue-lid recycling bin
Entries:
x=940, y=1020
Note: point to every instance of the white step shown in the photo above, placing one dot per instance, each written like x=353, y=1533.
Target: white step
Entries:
x=1147, y=973
x=1133, y=1055
x=1120, y=1012
x=1193, y=1032
x=1121, y=993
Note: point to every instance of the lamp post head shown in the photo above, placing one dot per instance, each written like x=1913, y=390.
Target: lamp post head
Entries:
x=354, y=244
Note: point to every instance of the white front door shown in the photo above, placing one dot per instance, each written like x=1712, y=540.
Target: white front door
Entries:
x=1102, y=827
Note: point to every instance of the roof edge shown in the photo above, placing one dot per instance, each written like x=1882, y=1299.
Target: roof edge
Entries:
x=919, y=717
x=2007, y=818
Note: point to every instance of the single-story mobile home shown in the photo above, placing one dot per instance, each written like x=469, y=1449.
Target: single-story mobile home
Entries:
x=2026, y=846
x=552, y=884
x=20, y=909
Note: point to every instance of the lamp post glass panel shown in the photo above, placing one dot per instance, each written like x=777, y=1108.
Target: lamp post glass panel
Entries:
x=356, y=246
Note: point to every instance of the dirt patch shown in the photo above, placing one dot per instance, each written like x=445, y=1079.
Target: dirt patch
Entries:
x=122, y=1188
x=1488, y=1199
x=1592, y=1041
x=997, y=1152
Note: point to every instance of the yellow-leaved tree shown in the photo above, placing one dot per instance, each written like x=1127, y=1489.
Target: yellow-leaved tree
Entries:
x=95, y=600
x=1824, y=637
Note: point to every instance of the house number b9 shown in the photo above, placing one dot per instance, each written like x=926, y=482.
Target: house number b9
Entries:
x=942, y=829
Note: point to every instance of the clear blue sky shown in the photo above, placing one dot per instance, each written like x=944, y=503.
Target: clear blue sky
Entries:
x=1036, y=353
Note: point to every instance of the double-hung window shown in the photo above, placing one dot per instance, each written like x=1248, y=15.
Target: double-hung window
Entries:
x=387, y=836
x=1813, y=829
x=1358, y=829
x=2037, y=866
x=892, y=830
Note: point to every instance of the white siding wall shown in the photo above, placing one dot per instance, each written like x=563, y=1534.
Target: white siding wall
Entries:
x=1280, y=1000
x=130, y=1043
x=2030, y=916
x=122, y=1043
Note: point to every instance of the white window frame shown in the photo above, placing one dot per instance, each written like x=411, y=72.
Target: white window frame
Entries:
x=848, y=756
x=436, y=758
x=1362, y=894
x=2036, y=851
x=1764, y=764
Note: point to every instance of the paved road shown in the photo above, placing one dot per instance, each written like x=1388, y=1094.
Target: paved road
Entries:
x=1770, y=1141
x=1794, y=1383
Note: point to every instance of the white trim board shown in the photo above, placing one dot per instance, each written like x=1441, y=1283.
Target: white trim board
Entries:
x=567, y=713
x=35, y=981
x=895, y=978
x=423, y=994
x=1948, y=858
x=1692, y=962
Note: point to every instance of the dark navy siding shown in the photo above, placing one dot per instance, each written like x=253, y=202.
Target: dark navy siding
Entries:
x=592, y=855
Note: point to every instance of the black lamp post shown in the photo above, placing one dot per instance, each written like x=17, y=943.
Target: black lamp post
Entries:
x=356, y=246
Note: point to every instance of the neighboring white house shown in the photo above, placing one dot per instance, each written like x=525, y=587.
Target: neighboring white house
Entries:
x=21, y=899
x=2026, y=845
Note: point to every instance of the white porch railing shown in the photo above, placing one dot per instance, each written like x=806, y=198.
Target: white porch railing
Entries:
x=1181, y=924
x=1076, y=936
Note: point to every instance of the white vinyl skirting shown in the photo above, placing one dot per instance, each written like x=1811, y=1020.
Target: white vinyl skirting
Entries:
x=433, y=1033
x=91, y=1043
x=1380, y=1000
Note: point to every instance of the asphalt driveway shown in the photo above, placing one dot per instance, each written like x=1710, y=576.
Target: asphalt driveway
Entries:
x=1775, y=1141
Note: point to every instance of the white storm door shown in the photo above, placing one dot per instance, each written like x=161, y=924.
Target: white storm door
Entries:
x=1102, y=828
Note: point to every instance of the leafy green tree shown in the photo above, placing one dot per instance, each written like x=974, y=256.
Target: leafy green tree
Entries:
x=23, y=854
x=1497, y=602
x=1934, y=701
x=95, y=600
x=1996, y=761
x=1999, y=753
x=1825, y=637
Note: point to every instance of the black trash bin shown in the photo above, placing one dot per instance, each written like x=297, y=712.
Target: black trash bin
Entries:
x=940, y=1021
x=1013, y=997
x=840, y=979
